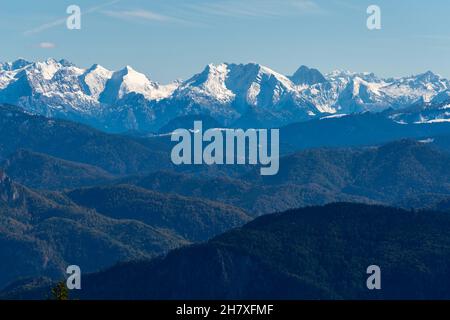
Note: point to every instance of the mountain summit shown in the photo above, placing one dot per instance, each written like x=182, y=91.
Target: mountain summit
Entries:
x=307, y=76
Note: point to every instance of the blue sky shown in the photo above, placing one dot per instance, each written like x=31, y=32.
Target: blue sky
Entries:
x=170, y=39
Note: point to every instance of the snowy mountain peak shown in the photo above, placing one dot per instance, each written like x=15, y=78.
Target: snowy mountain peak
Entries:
x=95, y=79
x=250, y=93
x=97, y=68
x=213, y=72
x=15, y=65
x=66, y=63
x=339, y=73
x=251, y=84
x=207, y=86
x=357, y=93
x=428, y=76
x=128, y=70
x=123, y=82
x=127, y=81
x=345, y=75
x=45, y=69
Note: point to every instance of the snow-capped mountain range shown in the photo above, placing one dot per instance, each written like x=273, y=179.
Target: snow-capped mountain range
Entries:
x=233, y=94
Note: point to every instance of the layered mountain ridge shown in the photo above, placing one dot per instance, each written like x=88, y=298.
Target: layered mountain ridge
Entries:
x=41, y=233
x=118, y=198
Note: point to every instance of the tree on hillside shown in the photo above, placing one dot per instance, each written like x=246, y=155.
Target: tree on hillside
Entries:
x=60, y=292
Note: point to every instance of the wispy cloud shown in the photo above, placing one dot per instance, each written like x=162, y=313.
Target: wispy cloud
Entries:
x=255, y=8
x=45, y=26
x=139, y=14
x=192, y=11
x=62, y=21
x=47, y=45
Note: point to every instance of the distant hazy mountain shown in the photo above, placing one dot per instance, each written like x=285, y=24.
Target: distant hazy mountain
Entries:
x=59, y=154
x=66, y=155
x=233, y=94
x=398, y=173
x=38, y=170
x=310, y=253
x=78, y=143
x=355, y=130
x=435, y=111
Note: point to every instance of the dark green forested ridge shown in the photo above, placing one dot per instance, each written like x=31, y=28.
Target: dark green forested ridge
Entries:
x=309, y=253
x=41, y=233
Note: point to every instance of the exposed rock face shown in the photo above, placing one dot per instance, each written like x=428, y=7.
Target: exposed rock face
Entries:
x=8, y=192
